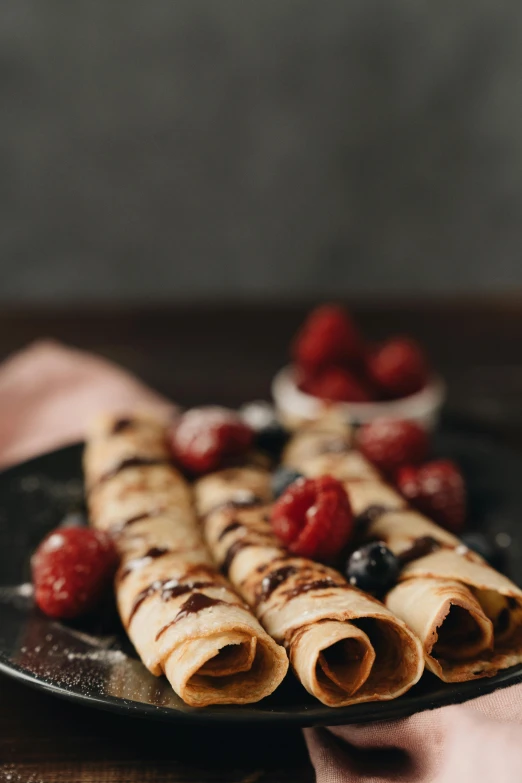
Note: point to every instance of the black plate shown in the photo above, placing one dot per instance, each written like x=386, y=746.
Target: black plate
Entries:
x=93, y=662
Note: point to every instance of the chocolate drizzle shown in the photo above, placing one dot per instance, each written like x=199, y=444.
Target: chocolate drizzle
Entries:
x=130, y=462
x=119, y=526
x=421, y=547
x=174, y=590
x=244, y=500
x=195, y=603
x=229, y=528
x=150, y=554
x=121, y=425
x=369, y=515
x=137, y=518
x=335, y=446
x=142, y=596
x=232, y=551
x=168, y=588
x=317, y=584
x=272, y=581
x=262, y=538
x=156, y=551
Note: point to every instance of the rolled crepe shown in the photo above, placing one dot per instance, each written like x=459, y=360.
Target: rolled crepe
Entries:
x=467, y=615
x=344, y=646
x=183, y=617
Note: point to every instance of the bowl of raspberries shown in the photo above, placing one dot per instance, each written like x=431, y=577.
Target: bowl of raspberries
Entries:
x=333, y=366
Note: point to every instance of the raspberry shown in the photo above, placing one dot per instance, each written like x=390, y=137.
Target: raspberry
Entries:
x=328, y=337
x=313, y=518
x=390, y=443
x=398, y=367
x=71, y=569
x=336, y=385
x=437, y=489
x=204, y=438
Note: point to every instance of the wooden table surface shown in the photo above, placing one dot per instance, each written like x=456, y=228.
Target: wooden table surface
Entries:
x=227, y=355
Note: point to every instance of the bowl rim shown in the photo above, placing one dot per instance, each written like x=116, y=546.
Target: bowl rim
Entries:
x=290, y=399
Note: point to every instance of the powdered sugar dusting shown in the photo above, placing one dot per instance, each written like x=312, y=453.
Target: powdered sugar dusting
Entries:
x=105, y=656
x=60, y=491
x=99, y=642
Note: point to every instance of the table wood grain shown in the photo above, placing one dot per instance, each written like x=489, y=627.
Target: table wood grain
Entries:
x=228, y=354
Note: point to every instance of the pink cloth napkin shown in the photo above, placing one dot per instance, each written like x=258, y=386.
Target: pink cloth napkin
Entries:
x=476, y=742
x=48, y=393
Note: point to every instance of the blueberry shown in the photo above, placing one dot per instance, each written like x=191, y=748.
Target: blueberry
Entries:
x=272, y=439
x=282, y=478
x=270, y=436
x=484, y=547
x=373, y=568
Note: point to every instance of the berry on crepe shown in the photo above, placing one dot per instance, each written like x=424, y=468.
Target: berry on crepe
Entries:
x=437, y=489
x=313, y=518
x=390, y=443
x=203, y=439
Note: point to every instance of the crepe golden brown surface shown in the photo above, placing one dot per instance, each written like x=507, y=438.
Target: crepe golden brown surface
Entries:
x=183, y=617
x=344, y=646
x=467, y=615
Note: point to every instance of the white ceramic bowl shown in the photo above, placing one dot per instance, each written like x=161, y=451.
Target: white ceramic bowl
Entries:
x=295, y=407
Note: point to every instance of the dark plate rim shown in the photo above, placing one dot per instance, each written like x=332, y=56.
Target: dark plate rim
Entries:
x=304, y=716
x=320, y=715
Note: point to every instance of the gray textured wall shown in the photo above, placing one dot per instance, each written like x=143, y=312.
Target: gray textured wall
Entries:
x=173, y=148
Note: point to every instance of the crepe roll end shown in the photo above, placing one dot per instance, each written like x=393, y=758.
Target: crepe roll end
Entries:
x=227, y=668
x=450, y=622
x=505, y=612
x=332, y=660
